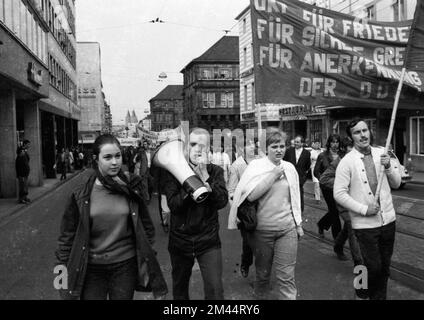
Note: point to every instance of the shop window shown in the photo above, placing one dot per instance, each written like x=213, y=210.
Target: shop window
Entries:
x=417, y=136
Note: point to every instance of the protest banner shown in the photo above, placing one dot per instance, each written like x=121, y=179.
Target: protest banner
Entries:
x=309, y=55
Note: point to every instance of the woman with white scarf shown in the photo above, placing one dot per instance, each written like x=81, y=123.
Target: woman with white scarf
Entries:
x=274, y=183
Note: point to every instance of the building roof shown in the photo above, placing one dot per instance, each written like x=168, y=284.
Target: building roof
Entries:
x=171, y=92
x=224, y=50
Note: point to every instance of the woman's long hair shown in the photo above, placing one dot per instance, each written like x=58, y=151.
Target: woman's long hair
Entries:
x=331, y=138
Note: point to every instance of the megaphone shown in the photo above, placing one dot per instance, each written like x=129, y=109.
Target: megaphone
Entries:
x=170, y=157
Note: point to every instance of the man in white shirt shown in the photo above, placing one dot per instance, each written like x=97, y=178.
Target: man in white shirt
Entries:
x=221, y=159
x=355, y=186
x=301, y=159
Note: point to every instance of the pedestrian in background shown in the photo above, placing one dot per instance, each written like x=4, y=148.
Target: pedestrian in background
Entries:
x=331, y=218
x=194, y=229
x=374, y=223
x=142, y=170
x=221, y=159
x=327, y=180
x=316, y=150
x=245, y=156
x=61, y=164
x=301, y=159
x=274, y=184
x=106, y=234
x=22, y=171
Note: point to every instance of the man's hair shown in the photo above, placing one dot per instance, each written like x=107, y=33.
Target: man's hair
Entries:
x=301, y=138
x=25, y=142
x=346, y=142
x=352, y=124
x=201, y=131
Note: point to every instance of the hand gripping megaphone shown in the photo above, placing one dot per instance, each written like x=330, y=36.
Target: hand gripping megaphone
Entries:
x=170, y=157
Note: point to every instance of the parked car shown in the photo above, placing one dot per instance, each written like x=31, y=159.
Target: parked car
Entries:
x=404, y=174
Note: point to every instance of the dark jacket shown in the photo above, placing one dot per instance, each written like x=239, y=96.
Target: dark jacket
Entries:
x=195, y=226
x=323, y=162
x=302, y=166
x=74, y=239
x=22, y=163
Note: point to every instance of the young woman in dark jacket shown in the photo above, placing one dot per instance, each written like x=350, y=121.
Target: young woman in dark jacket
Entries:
x=106, y=234
x=331, y=218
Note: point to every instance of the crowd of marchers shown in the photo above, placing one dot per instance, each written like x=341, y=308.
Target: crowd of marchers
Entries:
x=107, y=236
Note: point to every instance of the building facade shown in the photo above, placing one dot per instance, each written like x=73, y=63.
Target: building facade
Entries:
x=211, y=87
x=166, y=108
x=37, y=85
x=408, y=135
x=90, y=92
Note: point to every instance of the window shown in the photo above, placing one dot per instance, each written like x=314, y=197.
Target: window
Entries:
x=225, y=73
x=245, y=97
x=206, y=74
x=417, y=136
x=245, y=57
x=208, y=99
x=399, y=10
x=23, y=20
x=370, y=12
x=1, y=10
x=227, y=100
x=29, y=26
x=8, y=13
x=16, y=15
x=253, y=95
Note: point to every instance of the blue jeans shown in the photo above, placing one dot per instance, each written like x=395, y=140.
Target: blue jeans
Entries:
x=210, y=264
x=377, y=249
x=279, y=247
x=118, y=280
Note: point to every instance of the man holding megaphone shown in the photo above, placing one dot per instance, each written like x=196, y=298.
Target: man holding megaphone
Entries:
x=194, y=232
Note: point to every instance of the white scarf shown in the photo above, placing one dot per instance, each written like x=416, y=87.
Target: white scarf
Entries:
x=253, y=175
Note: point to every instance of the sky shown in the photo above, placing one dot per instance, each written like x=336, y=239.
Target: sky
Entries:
x=134, y=51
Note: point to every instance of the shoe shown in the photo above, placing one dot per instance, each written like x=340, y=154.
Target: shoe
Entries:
x=340, y=255
x=320, y=231
x=23, y=201
x=27, y=200
x=244, y=270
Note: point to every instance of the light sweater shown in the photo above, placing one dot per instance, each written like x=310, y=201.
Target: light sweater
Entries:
x=352, y=189
x=274, y=211
x=111, y=235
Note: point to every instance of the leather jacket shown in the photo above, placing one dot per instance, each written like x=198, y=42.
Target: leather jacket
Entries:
x=74, y=239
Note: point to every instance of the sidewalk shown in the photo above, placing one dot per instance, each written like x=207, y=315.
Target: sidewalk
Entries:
x=10, y=206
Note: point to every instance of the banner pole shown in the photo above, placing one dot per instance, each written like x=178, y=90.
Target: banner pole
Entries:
x=390, y=134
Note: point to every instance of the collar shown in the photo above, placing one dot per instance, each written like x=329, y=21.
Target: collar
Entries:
x=359, y=154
